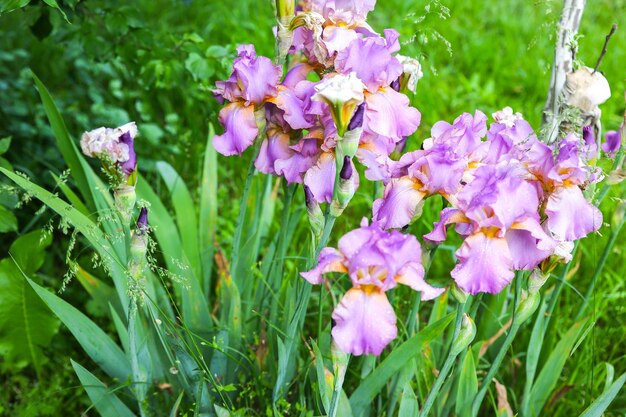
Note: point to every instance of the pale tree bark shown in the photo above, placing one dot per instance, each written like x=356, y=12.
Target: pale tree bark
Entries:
x=561, y=66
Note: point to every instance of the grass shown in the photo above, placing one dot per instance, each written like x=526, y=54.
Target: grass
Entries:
x=501, y=54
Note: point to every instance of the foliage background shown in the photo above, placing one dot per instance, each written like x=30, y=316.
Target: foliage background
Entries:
x=155, y=62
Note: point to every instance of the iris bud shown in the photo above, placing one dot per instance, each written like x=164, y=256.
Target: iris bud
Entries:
x=527, y=306
x=125, y=199
x=465, y=337
x=345, y=190
x=314, y=212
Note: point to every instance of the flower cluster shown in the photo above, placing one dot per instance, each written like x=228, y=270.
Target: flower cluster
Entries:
x=514, y=200
x=342, y=97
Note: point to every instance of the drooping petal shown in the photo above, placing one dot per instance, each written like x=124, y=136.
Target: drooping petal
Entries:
x=330, y=260
x=398, y=206
x=304, y=155
x=365, y=322
x=449, y=215
x=485, y=264
x=529, y=244
x=273, y=148
x=321, y=178
x=570, y=215
x=240, y=129
x=413, y=276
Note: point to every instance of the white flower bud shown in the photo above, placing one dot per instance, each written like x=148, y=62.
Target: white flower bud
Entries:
x=412, y=72
x=342, y=93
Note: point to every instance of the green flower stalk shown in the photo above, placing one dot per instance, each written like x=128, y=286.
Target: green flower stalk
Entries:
x=125, y=199
x=285, y=11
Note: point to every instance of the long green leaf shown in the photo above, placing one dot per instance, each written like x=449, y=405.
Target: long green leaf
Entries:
x=185, y=214
x=468, y=386
x=64, y=142
x=93, y=340
x=551, y=371
x=208, y=210
x=102, y=398
x=70, y=195
x=597, y=408
x=408, y=403
x=397, y=359
x=94, y=191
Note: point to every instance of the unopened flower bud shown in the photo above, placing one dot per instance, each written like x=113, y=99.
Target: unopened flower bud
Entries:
x=346, y=169
x=139, y=244
x=412, y=73
x=345, y=188
x=314, y=212
x=536, y=280
x=465, y=337
x=458, y=294
x=527, y=306
x=342, y=93
x=125, y=198
x=395, y=84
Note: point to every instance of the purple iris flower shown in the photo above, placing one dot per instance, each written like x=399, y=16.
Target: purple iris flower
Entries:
x=371, y=59
x=612, y=142
x=376, y=261
x=498, y=215
x=252, y=82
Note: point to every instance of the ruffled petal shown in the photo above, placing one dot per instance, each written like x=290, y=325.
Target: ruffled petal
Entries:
x=365, y=322
x=240, y=129
x=273, y=148
x=570, y=215
x=485, y=264
x=397, y=207
x=321, y=178
x=330, y=260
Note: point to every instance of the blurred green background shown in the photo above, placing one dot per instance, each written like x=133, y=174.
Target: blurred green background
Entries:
x=155, y=62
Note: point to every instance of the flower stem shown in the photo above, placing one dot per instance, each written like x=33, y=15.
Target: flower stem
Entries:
x=515, y=324
x=241, y=218
x=447, y=365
